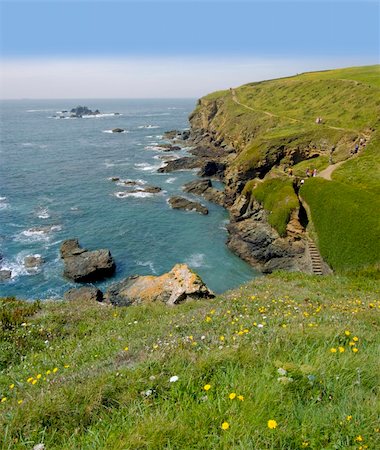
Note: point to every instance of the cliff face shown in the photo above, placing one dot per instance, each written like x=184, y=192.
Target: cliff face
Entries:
x=282, y=130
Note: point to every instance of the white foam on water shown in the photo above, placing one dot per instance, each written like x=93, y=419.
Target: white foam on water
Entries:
x=141, y=194
x=155, y=147
x=117, y=163
x=96, y=116
x=148, y=126
x=3, y=203
x=147, y=264
x=159, y=136
x=37, y=233
x=147, y=167
x=17, y=266
x=43, y=213
x=171, y=180
x=196, y=260
x=131, y=183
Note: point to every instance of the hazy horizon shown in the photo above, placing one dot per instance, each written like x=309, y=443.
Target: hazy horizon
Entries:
x=174, y=49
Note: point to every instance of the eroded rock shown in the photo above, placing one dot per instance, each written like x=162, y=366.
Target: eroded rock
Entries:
x=85, y=294
x=187, y=205
x=176, y=286
x=82, y=265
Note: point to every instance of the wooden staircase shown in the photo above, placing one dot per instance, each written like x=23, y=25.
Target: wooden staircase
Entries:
x=316, y=260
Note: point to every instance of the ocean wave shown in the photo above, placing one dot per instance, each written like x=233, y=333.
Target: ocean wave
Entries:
x=96, y=116
x=196, y=260
x=149, y=264
x=17, y=266
x=140, y=194
x=147, y=167
x=3, y=203
x=37, y=233
x=156, y=114
x=171, y=180
x=128, y=182
x=148, y=126
x=121, y=162
x=43, y=213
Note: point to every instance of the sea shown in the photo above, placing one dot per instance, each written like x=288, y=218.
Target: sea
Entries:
x=55, y=184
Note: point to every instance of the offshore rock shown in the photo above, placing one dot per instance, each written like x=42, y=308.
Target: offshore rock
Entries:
x=82, y=265
x=204, y=188
x=176, y=286
x=184, y=163
x=187, y=205
x=5, y=275
x=85, y=294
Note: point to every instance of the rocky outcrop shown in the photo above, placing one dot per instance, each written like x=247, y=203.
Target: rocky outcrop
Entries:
x=82, y=265
x=80, y=111
x=212, y=169
x=32, y=262
x=187, y=205
x=85, y=294
x=185, y=163
x=118, y=130
x=5, y=275
x=172, y=288
x=254, y=240
x=176, y=134
x=205, y=189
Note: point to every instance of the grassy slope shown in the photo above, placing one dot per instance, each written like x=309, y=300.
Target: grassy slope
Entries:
x=278, y=197
x=346, y=223
x=345, y=98
x=104, y=396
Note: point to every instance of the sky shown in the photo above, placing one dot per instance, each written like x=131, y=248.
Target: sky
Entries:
x=129, y=49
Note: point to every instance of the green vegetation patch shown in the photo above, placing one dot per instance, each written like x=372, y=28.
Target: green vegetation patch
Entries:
x=287, y=361
x=346, y=221
x=278, y=198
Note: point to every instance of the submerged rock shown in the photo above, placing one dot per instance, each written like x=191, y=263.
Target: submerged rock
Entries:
x=82, y=265
x=33, y=261
x=85, y=293
x=118, y=130
x=5, y=275
x=187, y=205
x=176, y=286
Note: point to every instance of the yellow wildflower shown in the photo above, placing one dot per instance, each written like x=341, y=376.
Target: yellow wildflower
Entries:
x=29, y=379
x=208, y=319
x=55, y=370
x=207, y=387
x=355, y=339
x=66, y=366
x=221, y=338
x=4, y=399
x=333, y=350
x=348, y=418
x=19, y=401
x=341, y=349
x=240, y=397
x=272, y=424
x=38, y=376
x=304, y=444
x=34, y=382
x=48, y=372
x=126, y=349
x=359, y=438
x=232, y=396
x=225, y=426
x=355, y=350
x=11, y=386
x=347, y=333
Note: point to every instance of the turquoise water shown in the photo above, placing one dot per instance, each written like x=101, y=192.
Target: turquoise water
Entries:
x=54, y=185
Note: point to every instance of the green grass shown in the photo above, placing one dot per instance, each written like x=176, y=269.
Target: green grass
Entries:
x=346, y=222
x=278, y=198
x=98, y=395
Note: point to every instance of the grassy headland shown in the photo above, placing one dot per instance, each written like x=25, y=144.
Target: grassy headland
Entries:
x=272, y=124
x=299, y=350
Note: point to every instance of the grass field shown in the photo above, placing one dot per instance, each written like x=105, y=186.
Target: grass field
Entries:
x=286, y=362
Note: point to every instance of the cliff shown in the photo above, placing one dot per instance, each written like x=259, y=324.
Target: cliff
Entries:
x=271, y=135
